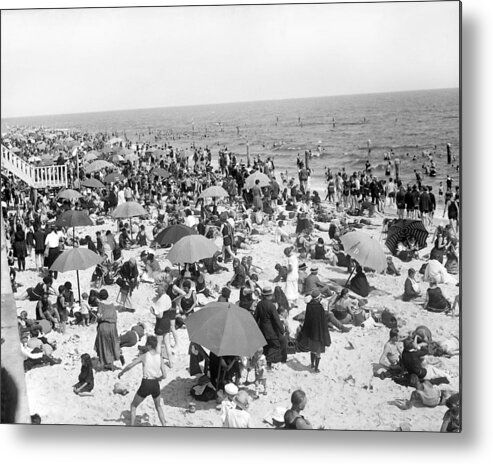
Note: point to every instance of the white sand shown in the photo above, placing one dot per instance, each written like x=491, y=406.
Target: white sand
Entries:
x=339, y=397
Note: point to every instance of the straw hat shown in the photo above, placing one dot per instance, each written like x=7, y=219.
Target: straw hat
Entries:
x=266, y=291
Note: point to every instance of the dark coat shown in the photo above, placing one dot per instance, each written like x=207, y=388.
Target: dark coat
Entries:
x=315, y=330
x=268, y=320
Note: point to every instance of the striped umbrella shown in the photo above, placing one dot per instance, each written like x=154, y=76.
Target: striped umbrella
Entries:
x=401, y=230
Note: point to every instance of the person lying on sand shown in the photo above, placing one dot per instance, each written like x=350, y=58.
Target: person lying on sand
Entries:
x=425, y=394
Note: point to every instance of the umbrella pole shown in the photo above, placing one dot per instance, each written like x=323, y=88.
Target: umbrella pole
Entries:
x=350, y=275
x=78, y=284
x=73, y=237
x=130, y=220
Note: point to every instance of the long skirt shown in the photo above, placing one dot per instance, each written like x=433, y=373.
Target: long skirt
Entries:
x=107, y=345
x=272, y=351
x=291, y=289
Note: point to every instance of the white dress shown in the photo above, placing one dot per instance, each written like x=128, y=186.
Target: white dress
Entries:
x=292, y=279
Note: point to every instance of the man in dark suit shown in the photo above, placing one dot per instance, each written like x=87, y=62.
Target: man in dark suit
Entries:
x=270, y=325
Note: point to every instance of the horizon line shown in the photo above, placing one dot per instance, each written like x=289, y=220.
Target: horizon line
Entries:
x=225, y=103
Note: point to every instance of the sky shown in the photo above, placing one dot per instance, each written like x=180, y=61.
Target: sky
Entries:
x=75, y=61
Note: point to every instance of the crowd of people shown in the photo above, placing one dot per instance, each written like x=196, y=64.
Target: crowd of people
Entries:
x=168, y=182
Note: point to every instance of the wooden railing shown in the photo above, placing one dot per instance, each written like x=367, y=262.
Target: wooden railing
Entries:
x=34, y=176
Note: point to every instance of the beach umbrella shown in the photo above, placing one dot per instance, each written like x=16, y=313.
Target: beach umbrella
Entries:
x=74, y=218
x=98, y=165
x=173, y=233
x=191, y=249
x=71, y=143
x=150, y=150
x=160, y=172
x=214, y=192
x=92, y=183
x=159, y=152
x=91, y=156
x=76, y=259
x=112, y=177
x=69, y=194
x=129, y=209
x=250, y=180
x=126, y=151
x=108, y=149
x=114, y=140
x=225, y=329
x=402, y=229
x=131, y=157
x=117, y=158
x=365, y=250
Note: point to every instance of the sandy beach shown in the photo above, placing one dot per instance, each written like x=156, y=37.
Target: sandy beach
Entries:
x=344, y=396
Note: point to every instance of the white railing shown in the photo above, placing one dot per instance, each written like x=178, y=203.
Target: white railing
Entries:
x=34, y=176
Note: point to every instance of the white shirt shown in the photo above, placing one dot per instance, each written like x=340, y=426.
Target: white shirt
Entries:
x=190, y=221
x=52, y=240
x=161, y=305
x=237, y=419
x=151, y=365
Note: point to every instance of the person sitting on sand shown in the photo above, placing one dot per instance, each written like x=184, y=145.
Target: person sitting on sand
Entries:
x=36, y=293
x=141, y=238
x=434, y=299
x=153, y=371
x=452, y=418
x=239, y=417
x=25, y=324
x=411, y=286
x=239, y=276
x=343, y=307
x=391, y=269
x=425, y=394
x=359, y=284
x=391, y=355
x=45, y=310
x=85, y=384
x=292, y=418
x=280, y=235
x=282, y=273
x=412, y=362
x=313, y=282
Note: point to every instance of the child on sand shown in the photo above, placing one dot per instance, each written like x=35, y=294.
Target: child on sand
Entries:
x=86, y=377
x=259, y=364
x=84, y=310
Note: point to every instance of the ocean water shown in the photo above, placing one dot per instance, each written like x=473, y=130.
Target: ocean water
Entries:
x=336, y=129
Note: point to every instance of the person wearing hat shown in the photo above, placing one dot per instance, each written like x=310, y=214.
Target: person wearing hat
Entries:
x=231, y=390
x=270, y=325
x=239, y=417
x=314, y=333
x=313, y=282
x=291, y=289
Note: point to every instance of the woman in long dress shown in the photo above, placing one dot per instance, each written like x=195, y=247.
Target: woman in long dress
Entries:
x=107, y=344
x=291, y=290
x=257, y=195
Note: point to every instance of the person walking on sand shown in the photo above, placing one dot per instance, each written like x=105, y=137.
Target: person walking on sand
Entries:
x=153, y=371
